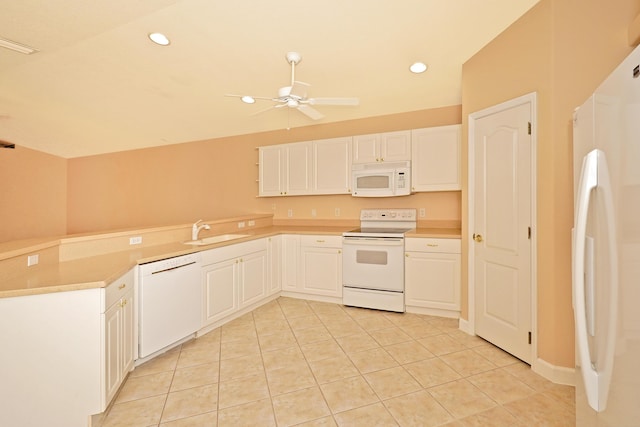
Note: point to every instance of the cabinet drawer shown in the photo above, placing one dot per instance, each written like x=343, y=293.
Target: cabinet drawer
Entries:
x=119, y=288
x=415, y=244
x=321, y=241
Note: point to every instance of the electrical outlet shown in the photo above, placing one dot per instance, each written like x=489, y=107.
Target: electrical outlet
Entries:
x=313, y=213
x=251, y=223
x=273, y=206
x=337, y=212
x=135, y=240
x=423, y=213
x=33, y=260
x=241, y=224
x=290, y=213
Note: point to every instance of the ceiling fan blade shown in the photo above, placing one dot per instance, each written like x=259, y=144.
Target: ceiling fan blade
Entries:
x=310, y=112
x=333, y=101
x=264, y=110
x=299, y=89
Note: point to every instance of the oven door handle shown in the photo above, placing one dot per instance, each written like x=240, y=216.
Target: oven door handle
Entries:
x=373, y=241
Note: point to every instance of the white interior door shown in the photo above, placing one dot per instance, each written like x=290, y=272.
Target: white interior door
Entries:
x=502, y=228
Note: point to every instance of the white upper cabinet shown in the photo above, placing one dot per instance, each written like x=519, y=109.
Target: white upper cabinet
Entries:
x=285, y=169
x=271, y=166
x=436, y=158
x=298, y=168
x=332, y=166
x=382, y=147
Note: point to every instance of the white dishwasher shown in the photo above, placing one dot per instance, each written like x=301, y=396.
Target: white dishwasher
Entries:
x=170, y=302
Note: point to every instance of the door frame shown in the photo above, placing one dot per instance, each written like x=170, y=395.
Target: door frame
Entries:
x=530, y=98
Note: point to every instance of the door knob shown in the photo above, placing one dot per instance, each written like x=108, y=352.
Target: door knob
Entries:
x=477, y=237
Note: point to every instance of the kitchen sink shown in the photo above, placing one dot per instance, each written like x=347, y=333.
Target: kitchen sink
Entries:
x=216, y=239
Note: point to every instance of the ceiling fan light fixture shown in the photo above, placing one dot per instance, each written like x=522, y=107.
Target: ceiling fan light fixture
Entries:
x=248, y=99
x=418, y=67
x=159, y=38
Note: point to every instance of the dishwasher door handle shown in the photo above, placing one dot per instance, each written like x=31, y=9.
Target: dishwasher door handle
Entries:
x=173, y=268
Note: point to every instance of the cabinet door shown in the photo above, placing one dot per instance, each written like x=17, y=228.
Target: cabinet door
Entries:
x=220, y=282
x=298, y=171
x=436, y=159
x=271, y=165
x=290, y=250
x=321, y=270
x=127, y=333
x=366, y=148
x=275, y=264
x=395, y=146
x=332, y=166
x=253, y=277
x=113, y=350
x=432, y=280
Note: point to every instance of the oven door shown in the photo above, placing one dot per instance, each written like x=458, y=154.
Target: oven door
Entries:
x=373, y=263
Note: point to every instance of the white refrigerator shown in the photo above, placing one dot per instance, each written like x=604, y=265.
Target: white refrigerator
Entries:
x=606, y=250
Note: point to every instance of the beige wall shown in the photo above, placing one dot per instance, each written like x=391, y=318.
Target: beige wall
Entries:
x=218, y=178
x=33, y=194
x=560, y=49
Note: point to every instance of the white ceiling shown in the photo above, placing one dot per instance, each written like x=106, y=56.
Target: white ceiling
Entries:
x=97, y=84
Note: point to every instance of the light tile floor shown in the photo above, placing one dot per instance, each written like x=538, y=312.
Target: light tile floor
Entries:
x=302, y=363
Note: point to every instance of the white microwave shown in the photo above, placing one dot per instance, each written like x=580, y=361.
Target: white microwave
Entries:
x=381, y=179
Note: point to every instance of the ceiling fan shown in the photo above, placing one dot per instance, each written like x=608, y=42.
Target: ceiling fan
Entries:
x=294, y=96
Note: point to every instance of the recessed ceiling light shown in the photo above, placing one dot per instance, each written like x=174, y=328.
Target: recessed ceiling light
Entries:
x=248, y=99
x=418, y=67
x=159, y=38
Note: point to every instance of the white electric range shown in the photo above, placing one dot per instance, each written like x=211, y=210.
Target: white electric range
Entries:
x=373, y=259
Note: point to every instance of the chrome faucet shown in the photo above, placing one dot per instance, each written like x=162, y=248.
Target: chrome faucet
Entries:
x=195, y=229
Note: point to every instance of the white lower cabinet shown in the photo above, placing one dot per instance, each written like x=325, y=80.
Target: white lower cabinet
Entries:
x=275, y=264
x=432, y=275
x=234, y=277
x=118, y=334
x=312, y=266
x=290, y=255
x=321, y=265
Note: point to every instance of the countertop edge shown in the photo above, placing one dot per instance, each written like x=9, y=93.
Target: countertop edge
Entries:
x=115, y=264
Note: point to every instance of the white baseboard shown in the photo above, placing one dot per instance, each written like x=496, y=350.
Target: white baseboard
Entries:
x=465, y=326
x=555, y=374
x=451, y=314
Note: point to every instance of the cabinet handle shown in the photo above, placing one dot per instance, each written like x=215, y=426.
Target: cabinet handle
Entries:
x=123, y=303
x=339, y=251
x=433, y=245
x=121, y=287
x=407, y=255
x=382, y=159
x=320, y=241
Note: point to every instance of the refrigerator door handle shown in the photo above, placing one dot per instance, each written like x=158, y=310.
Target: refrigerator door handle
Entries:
x=596, y=379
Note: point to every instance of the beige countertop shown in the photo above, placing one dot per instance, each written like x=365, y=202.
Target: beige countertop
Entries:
x=99, y=271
